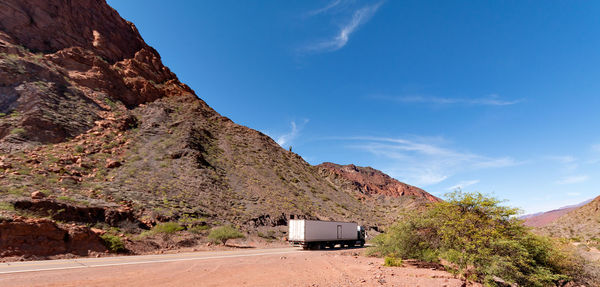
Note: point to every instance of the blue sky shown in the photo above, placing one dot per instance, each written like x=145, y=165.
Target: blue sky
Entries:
x=493, y=96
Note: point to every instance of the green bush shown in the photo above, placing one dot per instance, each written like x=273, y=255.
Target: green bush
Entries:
x=198, y=229
x=113, y=243
x=223, y=233
x=163, y=228
x=392, y=261
x=6, y=206
x=17, y=131
x=481, y=240
x=79, y=149
x=167, y=227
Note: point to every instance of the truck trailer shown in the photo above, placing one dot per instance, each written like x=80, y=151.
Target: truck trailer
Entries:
x=316, y=234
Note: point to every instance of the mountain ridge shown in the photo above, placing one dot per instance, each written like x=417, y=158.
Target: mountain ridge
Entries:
x=540, y=219
x=581, y=223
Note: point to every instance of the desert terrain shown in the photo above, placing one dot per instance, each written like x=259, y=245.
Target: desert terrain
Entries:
x=257, y=267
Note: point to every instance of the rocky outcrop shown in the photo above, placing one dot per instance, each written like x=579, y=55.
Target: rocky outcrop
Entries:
x=74, y=213
x=370, y=181
x=61, y=56
x=43, y=237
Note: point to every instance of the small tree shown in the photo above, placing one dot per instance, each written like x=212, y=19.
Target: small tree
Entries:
x=223, y=233
x=479, y=239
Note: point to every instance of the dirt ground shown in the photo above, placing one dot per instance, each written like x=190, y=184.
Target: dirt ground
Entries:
x=302, y=268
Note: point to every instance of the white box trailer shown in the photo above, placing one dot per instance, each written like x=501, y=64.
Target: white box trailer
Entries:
x=316, y=234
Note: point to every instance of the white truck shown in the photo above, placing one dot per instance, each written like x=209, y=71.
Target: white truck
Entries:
x=316, y=234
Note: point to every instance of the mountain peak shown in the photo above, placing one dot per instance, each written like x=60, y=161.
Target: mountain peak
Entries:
x=374, y=182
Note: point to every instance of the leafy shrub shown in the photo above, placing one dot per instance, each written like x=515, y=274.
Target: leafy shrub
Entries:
x=113, y=243
x=17, y=131
x=270, y=235
x=392, y=261
x=79, y=149
x=66, y=198
x=6, y=206
x=198, y=229
x=481, y=240
x=167, y=227
x=164, y=228
x=223, y=233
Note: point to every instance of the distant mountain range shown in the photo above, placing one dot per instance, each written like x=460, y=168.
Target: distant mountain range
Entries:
x=544, y=218
x=580, y=223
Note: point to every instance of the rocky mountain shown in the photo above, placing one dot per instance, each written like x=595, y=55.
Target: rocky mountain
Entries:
x=372, y=182
x=582, y=223
x=97, y=132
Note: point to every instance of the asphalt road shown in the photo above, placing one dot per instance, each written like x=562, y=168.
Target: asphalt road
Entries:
x=79, y=263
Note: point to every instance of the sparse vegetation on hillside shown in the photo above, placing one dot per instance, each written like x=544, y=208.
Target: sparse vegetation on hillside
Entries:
x=474, y=236
x=580, y=225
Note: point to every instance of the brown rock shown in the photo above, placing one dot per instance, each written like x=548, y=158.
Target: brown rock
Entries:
x=97, y=231
x=43, y=237
x=81, y=49
x=37, y=195
x=112, y=163
x=5, y=165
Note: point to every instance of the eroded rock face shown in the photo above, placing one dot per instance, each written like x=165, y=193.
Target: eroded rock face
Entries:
x=63, y=63
x=50, y=26
x=374, y=182
x=74, y=213
x=43, y=237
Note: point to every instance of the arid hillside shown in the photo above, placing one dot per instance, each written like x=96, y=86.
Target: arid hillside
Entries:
x=544, y=218
x=580, y=224
x=96, y=133
x=372, y=182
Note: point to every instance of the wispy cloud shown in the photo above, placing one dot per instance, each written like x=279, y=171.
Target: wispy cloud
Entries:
x=573, y=179
x=567, y=161
x=491, y=100
x=422, y=161
x=326, y=8
x=359, y=17
x=564, y=159
x=463, y=184
x=288, y=138
x=573, y=193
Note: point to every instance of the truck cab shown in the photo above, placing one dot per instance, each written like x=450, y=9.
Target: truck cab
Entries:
x=361, y=235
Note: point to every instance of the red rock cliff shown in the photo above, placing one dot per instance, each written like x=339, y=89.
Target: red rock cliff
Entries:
x=63, y=61
x=374, y=182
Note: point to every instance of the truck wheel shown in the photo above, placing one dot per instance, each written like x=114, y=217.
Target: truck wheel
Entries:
x=362, y=244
